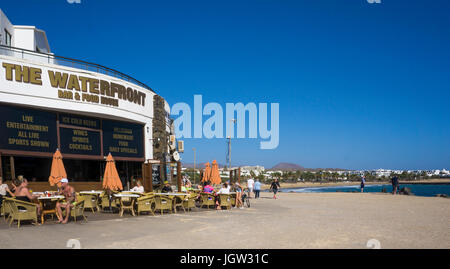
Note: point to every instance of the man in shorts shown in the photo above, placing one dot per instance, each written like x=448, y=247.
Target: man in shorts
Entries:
x=250, y=185
x=69, y=194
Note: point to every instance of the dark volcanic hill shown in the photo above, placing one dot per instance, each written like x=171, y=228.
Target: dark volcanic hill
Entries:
x=288, y=167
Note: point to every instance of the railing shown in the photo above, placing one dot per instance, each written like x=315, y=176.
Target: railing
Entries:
x=68, y=62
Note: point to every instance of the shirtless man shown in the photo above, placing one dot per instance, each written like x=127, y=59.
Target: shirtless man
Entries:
x=22, y=193
x=69, y=194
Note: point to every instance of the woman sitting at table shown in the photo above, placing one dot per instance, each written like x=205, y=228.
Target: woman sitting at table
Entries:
x=4, y=190
x=208, y=188
x=22, y=193
x=139, y=188
x=224, y=190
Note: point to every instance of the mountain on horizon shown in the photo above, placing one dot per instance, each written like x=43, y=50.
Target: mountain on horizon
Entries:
x=288, y=167
x=296, y=167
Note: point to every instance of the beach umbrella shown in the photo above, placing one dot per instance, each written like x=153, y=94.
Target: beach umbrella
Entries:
x=111, y=180
x=215, y=174
x=206, y=173
x=58, y=171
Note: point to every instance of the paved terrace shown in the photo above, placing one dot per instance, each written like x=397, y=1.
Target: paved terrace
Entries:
x=307, y=220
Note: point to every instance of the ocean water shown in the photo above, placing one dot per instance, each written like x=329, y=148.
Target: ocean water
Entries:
x=428, y=190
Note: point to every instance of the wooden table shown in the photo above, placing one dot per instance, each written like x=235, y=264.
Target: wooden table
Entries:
x=48, y=205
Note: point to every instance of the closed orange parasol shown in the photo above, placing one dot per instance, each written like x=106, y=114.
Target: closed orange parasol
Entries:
x=207, y=173
x=215, y=174
x=58, y=171
x=111, y=180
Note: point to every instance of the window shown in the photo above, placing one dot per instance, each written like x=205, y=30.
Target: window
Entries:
x=7, y=38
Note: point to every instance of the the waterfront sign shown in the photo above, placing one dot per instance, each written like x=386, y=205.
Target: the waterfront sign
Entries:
x=75, y=87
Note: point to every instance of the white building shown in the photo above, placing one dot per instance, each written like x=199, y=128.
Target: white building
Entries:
x=86, y=110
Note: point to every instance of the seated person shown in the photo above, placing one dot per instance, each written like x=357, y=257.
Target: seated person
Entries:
x=4, y=189
x=22, y=193
x=224, y=190
x=184, y=189
x=208, y=188
x=139, y=188
x=70, y=195
x=167, y=188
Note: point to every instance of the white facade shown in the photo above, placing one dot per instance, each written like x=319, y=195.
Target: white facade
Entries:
x=24, y=37
x=47, y=97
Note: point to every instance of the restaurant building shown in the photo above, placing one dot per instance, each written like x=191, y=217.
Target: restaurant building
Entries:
x=85, y=110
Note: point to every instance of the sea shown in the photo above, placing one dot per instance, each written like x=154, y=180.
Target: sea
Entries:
x=427, y=190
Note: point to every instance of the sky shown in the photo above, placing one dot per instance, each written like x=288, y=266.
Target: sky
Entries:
x=359, y=85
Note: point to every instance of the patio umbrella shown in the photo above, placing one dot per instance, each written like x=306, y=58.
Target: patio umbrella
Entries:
x=58, y=171
x=207, y=173
x=215, y=174
x=111, y=180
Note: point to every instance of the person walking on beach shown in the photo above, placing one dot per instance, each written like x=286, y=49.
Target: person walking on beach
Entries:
x=250, y=185
x=274, y=187
x=257, y=188
x=363, y=182
x=394, y=181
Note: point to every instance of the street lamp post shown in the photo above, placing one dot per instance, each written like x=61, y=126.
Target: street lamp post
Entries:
x=194, y=164
x=229, y=145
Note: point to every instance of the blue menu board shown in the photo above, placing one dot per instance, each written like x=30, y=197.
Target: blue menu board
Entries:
x=122, y=139
x=82, y=142
x=24, y=129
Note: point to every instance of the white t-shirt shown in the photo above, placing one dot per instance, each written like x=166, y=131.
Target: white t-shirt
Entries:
x=138, y=189
x=250, y=183
x=3, y=188
x=224, y=191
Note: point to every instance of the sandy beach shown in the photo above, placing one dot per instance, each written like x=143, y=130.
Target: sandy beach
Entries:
x=294, y=221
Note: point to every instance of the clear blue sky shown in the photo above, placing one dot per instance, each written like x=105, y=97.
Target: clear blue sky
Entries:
x=360, y=85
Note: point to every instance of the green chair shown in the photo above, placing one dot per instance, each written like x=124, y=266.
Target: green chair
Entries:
x=225, y=200
x=90, y=202
x=178, y=201
x=189, y=201
x=207, y=199
x=77, y=211
x=126, y=203
x=163, y=203
x=146, y=203
x=233, y=200
x=104, y=203
x=20, y=211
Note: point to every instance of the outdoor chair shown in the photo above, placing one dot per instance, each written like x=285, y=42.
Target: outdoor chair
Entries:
x=233, y=199
x=189, y=201
x=163, y=203
x=6, y=210
x=105, y=202
x=207, y=199
x=21, y=211
x=77, y=211
x=126, y=203
x=179, y=202
x=90, y=202
x=225, y=200
x=146, y=203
